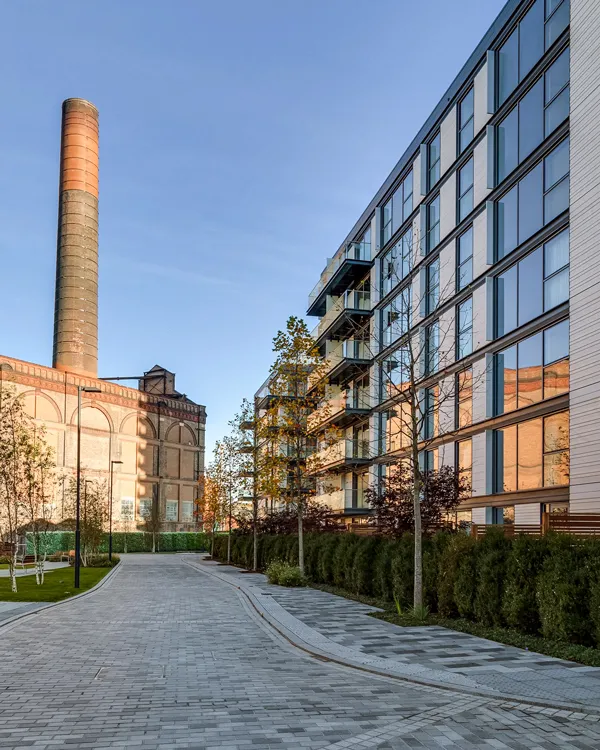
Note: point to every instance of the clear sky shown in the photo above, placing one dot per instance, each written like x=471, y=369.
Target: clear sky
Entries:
x=240, y=141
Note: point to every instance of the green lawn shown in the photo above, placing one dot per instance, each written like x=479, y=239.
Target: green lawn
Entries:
x=58, y=585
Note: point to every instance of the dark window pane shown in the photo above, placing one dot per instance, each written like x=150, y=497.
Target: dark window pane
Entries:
x=465, y=246
x=465, y=205
x=506, y=380
x=508, y=145
x=556, y=201
x=531, y=38
x=557, y=76
x=556, y=253
x=557, y=24
x=397, y=209
x=530, y=204
x=530, y=286
x=466, y=108
x=529, y=387
x=531, y=120
x=556, y=342
x=508, y=66
x=466, y=177
x=530, y=455
x=507, y=223
x=551, y=6
x=506, y=302
x=465, y=274
x=556, y=165
x=556, y=289
x=557, y=112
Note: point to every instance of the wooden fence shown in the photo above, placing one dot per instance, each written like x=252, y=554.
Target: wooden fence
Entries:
x=578, y=524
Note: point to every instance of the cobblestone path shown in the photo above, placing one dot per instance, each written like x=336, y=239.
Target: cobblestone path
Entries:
x=165, y=656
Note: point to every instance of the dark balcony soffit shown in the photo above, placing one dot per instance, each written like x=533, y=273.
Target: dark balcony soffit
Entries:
x=346, y=275
x=337, y=373
x=342, y=418
x=343, y=325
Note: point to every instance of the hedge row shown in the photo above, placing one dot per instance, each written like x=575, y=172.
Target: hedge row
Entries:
x=137, y=541
x=548, y=585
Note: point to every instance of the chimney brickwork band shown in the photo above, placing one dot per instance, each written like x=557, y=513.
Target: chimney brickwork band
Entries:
x=76, y=303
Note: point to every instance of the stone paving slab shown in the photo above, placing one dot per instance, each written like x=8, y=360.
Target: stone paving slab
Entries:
x=343, y=629
x=164, y=657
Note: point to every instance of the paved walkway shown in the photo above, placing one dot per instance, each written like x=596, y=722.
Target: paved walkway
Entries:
x=342, y=629
x=167, y=656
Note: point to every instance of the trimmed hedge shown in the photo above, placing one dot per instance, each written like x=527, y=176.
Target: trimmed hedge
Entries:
x=546, y=586
x=137, y=541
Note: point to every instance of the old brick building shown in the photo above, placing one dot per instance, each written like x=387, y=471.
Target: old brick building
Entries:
x=153, y=435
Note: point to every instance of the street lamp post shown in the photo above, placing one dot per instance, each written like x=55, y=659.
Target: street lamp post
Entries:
x=110, y=512
x=86, y=389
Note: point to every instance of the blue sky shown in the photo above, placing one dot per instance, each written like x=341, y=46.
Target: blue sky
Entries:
x=240, y=141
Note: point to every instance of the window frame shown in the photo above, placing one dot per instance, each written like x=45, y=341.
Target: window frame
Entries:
x=459, y=389
x=459, y=354
x=431, y=356
x=470, y=162
x=432, y=290
x=470, y=121
x=469, y=259
x=434, y=165
x=429, y=228
x=389, y=203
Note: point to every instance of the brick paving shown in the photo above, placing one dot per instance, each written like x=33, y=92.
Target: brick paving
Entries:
x=434, y=653
x=165, y=656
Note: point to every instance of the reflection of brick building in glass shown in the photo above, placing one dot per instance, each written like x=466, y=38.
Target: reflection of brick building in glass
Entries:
x=153, y=436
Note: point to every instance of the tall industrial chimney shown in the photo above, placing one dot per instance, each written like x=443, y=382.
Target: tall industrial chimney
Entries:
x=76, y=303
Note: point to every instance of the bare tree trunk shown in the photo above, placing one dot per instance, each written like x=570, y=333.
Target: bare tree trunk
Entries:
x=229, y=533
x=125, y=542
x=153, y=542
x=300, y=537
x=418, y=579
x=36, y=558
x=212, y=543
x=12, y=570
x=255, y=532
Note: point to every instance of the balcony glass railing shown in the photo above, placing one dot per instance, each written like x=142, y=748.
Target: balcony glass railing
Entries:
x=354, y=251
x=352, y=299
x=343, y=500
x=335, y=406
x=350, y=449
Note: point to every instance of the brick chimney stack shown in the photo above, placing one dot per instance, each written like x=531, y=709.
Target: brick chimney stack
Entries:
x=76, y=302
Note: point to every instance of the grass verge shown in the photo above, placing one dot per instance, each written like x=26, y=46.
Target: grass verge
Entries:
x=58, y=584
x=570, y=652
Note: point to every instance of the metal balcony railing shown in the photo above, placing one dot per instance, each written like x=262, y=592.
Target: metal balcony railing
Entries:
x=353, y=251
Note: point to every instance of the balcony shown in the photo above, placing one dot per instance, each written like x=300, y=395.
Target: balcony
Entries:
x=343, y=314
x=340, y=356
x=342, y=271
x=344, y=453
x=344, y=501
x=341, y=408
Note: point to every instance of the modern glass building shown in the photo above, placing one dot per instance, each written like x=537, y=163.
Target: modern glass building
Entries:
x=481, y=246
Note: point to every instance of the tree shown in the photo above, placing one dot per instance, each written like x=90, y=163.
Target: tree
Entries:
x=127, y=521
x=152, y=518
x=93, y=513
x=316, y=517
x=213, y=504
x=426, y=374
x=392, y=501
x=287, y=415
x=38, y=505
x=26, y=480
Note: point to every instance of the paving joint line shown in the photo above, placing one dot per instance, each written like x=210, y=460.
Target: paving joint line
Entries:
x=518, y=701
x=10, y=622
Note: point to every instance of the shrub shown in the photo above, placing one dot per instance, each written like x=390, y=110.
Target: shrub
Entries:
x=563, y=590
x=361, y=574
x=4, y=560
x=465, y=579
x=342, y=560
x=382, y=570
x=102, y=561
x=282, y=573
x=492, y=555
x=519, y=603
x=433, y=549
x=403, y=566
x=327, y=551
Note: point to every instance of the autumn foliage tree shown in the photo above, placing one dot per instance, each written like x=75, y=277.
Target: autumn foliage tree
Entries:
x=393, y=500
